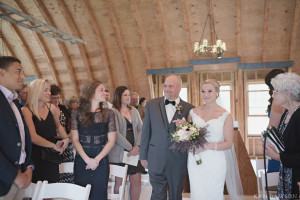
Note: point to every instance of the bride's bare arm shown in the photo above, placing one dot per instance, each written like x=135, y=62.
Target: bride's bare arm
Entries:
x=228, y=137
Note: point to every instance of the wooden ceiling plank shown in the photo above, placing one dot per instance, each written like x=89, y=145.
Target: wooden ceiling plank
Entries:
x=142, y=35
x=117, y=32
x=238, y=28
x=68, y=17
x=43, y=47
x=211, y=22
x=99, y=38
x=265, y=33
x=163, y=32
x=294, y=31
x=25, y=46
x=11, y=51
x=187, y=28
x=61, y=45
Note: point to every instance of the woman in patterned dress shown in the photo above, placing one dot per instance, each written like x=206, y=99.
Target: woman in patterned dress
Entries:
x=287, y=94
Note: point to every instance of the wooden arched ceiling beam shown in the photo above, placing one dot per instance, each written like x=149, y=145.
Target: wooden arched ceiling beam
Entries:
x=137, y=17
x=11, y=51
x=100, y=42
x=68, y=17
x=25, y=46
x=61, y=45
x=294, y=31
x=43, y=46
x=187, y=27
x=116, y=28
x=163, y=32
x=265, y=33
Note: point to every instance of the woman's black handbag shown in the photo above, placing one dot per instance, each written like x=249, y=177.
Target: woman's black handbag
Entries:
x=51, y=155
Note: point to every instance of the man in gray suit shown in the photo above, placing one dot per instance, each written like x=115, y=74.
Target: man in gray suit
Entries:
x=167, y=168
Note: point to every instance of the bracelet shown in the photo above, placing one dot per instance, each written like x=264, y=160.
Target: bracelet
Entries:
x=216, y=146
x=131, y=149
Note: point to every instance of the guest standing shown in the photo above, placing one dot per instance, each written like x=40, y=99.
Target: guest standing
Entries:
x=93, y=136
x=23, y=94
x=129, y=131
x=142, y=107
x=65, y=121
x=15, y=142
x=72, y=103
x=42, y=119
x=287, y=94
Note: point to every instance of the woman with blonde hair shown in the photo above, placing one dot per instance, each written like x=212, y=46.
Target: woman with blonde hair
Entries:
x=42, y=120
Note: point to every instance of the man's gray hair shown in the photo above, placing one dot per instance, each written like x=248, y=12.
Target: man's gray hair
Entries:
x=135, y=93
x=288, y=81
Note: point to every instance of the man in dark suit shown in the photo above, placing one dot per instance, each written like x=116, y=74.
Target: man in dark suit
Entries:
x=167, y=168
x=15, y=141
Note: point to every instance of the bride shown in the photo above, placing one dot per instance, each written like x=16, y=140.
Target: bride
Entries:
x=218, y=155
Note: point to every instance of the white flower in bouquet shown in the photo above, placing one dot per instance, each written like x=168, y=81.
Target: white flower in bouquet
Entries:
x=187, y=137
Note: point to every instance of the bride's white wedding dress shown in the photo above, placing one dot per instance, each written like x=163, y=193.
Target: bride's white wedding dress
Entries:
x=207, y=179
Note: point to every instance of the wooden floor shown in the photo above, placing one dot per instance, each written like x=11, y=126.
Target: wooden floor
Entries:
x=186, y=196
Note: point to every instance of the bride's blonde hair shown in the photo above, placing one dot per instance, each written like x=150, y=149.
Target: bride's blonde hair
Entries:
x=214, y=82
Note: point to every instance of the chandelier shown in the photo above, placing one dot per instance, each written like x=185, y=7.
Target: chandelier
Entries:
x=218, y=48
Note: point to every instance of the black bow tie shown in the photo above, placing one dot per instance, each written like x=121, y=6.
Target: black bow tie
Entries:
x=171, y=102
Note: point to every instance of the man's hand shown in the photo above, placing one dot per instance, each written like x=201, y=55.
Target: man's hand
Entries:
x=144, y=163
x=28, y=173
x=21, y=180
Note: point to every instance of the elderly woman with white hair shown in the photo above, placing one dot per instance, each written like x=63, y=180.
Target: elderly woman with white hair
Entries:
x=287, y=94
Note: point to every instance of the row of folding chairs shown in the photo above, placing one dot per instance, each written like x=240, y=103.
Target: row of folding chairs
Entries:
x=42, y=190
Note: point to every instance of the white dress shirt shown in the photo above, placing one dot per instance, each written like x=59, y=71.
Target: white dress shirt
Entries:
x=170, y=109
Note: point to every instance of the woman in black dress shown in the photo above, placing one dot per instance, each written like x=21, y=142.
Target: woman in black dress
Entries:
x=43, y=123
x=93, y=136
x=287, y=94
x=129, y=132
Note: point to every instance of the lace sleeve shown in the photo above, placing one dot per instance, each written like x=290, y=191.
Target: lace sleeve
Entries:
x=111, y=121
x=74, y=120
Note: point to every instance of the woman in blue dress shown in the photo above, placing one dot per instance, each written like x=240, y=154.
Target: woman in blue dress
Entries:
x=93, y=136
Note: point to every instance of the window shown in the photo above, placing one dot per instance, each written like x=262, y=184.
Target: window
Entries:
x=257, y=119
x=184, y=94
x=224, y=98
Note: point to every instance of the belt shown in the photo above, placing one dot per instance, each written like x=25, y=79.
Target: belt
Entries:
x=129, y=129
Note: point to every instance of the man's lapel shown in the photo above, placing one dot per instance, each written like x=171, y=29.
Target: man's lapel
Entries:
x=163, y=111
x=7, y=107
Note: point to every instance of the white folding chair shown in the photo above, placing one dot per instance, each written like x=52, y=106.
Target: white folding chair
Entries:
x=31, y=191
x=67, y=167
x=64, y=190
x=259, y=166
x=121, y=172
x=272, y=181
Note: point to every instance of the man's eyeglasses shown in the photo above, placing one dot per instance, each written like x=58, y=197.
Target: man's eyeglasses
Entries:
x=23, y=93
x=275, y=91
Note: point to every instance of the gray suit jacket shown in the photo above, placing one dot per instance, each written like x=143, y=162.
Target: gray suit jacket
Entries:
x=156, y=138
x=116, y=153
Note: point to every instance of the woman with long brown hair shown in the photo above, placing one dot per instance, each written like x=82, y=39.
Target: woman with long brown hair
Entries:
x=93, y=136
x=129, y=132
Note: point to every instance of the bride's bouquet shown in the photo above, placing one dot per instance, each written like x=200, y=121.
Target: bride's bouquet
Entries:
x=272, y=136
x=187, y=137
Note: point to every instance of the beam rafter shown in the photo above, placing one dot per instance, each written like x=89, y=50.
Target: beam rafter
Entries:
x=138, y=22
x=100, y=42
x=11, y=51
x=68, y=17
x=117, y=32
x=43, y=47
x=61, y=45
x=163, y=32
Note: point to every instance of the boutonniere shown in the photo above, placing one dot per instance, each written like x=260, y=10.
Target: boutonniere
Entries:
x=179, y=108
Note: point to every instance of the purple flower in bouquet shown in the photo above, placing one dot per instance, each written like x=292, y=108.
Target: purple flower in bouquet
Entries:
x=188, y=137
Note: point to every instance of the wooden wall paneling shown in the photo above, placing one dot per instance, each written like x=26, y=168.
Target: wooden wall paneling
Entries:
x=121, y=45
x=265, y=32
x=296, y=21
x=43, y=47
x=99, y=38
x=163, y=33
x=193, y=86
x=7, y=45
x=25, y=46
x=239, y=99
x=187, y=29
x=61, y=45
x=137, y=18
x=68, y=17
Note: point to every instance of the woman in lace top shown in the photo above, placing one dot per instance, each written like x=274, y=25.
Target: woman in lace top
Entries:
x=286, y=93
x=93, y=136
